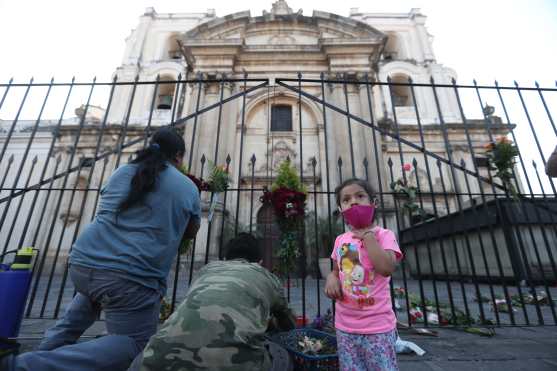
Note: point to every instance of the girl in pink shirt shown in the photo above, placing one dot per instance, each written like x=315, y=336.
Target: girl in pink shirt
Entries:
x=364, y=259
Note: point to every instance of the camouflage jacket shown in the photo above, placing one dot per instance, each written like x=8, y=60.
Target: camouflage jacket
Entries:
x=221, y=323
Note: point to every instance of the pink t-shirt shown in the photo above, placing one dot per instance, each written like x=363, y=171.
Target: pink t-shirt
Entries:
x=366, y=306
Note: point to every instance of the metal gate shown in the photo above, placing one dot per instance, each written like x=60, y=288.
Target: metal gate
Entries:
x=477, y=249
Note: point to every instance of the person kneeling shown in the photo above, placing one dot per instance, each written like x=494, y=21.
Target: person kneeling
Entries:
x=221, y=323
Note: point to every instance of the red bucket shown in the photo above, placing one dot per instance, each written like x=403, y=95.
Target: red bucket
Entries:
x=301, y=321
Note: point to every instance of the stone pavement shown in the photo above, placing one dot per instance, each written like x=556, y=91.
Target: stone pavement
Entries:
x=511, y=349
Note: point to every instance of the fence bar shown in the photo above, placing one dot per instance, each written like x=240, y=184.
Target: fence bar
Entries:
x=22, y=166
x=124, y=131
x=382, y=131
x=252, y=162
x=316, y=241
x=455, y=249
x=59, y=246
x=534, y=134
x=379, y=83
x=505, y=218
x=175, y=102
x=531, y=233
x=551, y=213
x=180, y=123
x=42, y=259
x=219, y=122
x=545, y=107
x=327, y=171
x=433, y=199
x=194, y=243
x=301, y=237
x=486, y=211
x=470, y=260
x=352, y=160
x=221, y=243
x=85, y=195
x=43, y=173
x=54, y=219
x=197, y=102
x=239, y=182
x=398, y=227
x=16, y=119
x=428, y=249
x=151, y=109
x=405, y=180
x=8, y=86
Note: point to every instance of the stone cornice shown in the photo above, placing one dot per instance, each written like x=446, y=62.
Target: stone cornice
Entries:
x=237, y=41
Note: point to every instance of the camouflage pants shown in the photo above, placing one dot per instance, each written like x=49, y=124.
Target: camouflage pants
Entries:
x=279, y=356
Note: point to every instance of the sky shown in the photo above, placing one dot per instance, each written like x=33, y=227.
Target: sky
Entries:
x=506, y=40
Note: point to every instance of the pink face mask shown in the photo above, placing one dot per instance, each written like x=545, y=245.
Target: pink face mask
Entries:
x=359, y=216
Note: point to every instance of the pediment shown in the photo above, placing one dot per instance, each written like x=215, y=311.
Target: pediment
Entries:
x=291, y=29
x=324, y=33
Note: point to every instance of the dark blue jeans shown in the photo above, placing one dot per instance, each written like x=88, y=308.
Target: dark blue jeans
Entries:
x=131, y=312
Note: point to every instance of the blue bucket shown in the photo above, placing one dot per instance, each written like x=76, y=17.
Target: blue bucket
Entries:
x=14, y=287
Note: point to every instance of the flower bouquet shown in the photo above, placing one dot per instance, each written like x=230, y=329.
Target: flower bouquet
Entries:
x=288, y=198
x=408, y=192
x=314, y=346
x=218, y=182
x=501, y=155
x=219, y=178
x=310, y=349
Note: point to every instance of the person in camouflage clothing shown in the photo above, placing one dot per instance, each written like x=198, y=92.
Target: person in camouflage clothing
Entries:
x=222, y=321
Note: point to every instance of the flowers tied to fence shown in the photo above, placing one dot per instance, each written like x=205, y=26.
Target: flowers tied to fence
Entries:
x=288, y=199
x=408, y=192
x=501, y=155
x=218, y=181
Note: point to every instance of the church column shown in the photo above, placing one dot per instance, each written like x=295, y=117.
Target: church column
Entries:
x=337, y=132
x=370, y=147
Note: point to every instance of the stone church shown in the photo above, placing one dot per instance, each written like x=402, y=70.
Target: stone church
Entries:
x=264, y=129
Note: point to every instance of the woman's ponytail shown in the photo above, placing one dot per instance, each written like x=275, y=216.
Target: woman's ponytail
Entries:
x=165, y=145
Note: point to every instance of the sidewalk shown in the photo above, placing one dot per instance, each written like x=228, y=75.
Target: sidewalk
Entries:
x=511, y=349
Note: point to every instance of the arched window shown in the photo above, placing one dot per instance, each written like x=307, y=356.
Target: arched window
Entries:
x=402, y=95
x=281, y=117
x=166, y=93
x=173, y=48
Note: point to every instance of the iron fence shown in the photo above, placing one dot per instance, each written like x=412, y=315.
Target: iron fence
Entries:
x=477, y=250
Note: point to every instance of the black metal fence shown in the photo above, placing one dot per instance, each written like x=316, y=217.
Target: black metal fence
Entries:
x=477, y=249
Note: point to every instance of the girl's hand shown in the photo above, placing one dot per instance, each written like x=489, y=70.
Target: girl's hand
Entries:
x=361, y=234
x=332, y=287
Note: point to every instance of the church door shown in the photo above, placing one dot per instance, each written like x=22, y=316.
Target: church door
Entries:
x=269, y=234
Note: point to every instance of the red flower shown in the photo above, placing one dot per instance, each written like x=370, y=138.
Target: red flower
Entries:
x=286, y=202
x=504, y=140
x=406, y=167
x=489, y=146
x=199, y=183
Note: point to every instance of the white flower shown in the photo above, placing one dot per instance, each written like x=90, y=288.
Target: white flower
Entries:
x=310, y=345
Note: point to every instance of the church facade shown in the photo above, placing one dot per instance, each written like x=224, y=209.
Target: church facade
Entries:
x=263, y=126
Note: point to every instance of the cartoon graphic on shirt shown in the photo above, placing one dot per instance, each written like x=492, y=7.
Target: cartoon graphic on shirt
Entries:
x=356, y=280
